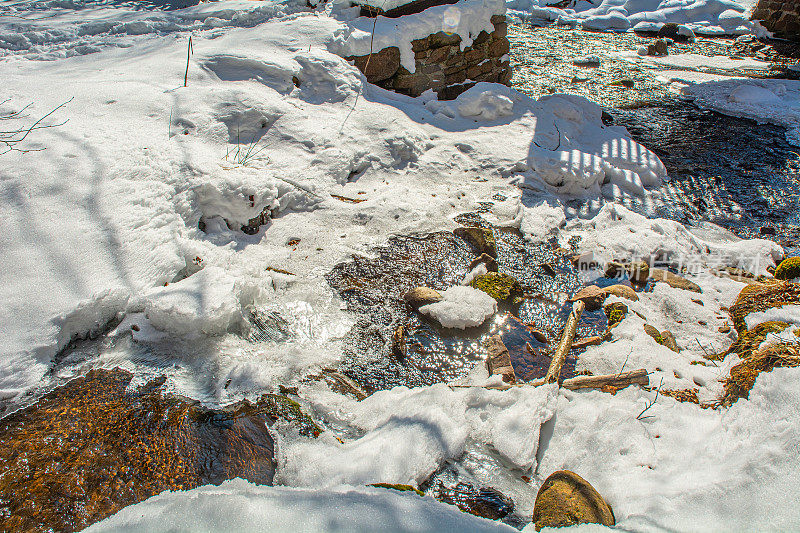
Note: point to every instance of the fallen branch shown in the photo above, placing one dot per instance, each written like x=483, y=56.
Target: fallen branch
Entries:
x=619, y=381
x=564, y=345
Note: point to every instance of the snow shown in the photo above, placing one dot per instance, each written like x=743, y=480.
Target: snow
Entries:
x=466, y=18
x=775, y=101
x=239, y=506
x=706, y=17
x=788, y=313
x=461, y=307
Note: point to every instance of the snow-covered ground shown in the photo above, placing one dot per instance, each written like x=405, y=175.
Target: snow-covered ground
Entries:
x=103, y=221
x=705, y=17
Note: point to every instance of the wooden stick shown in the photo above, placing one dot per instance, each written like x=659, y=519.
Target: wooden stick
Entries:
x=560, y=355
x=634, y=377
x=620, y=380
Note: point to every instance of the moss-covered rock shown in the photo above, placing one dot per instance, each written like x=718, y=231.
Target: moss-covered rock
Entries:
x=279, y=407
x=749, y=341
x=566, y=499
x=500, y=286
x=760, y=297
x=638, y=272
x=789, y=268
x=398, y=486
x=653, y=332
x=615, y=313
x=743, y=376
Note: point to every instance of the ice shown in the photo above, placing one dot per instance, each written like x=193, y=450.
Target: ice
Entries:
x=408, y=433
x=240, y=506
x=461, y=307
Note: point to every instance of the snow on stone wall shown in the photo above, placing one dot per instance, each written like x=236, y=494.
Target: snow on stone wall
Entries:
x=781, y=18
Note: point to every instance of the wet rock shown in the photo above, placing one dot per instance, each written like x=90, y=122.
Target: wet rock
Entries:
x=615, y=313
x=481, y=238
x=674, y=280
x=489, y=261
x=399, y=342
x=566, y=499
x=498, y=361
x=539, y=336
x=614, y=269
x=592, y=296
x=500, y=286
x=675, y=32
x=485, y=502
x=588, y=341
x=638, y=272
x=419, y=296
x=789, y=268
x=94, y=445
x=624, y=82
x=622, y=291
x=548, y=269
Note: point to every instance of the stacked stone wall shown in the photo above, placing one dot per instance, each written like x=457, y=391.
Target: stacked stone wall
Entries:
x=441, y=65
x=781, y=18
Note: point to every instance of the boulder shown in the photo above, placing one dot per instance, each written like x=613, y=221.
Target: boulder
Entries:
x=669, y=341
x=615, y=313
x=480, y=238
x=674, y=280
x=419, y=296
x=566, y=499
x=380, y=66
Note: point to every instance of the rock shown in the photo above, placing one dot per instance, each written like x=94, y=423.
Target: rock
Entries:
x=615, y=313
x=419, y=296
x=381, y=66
x=548, y=269
x=638, y=272
x=480, y=238
x=500, y=286
x=399, y=342
x=588, y=341
x=622, y=291
x=669, y=341
x=653, y=332
x=724, y=329
x=674, y=280
x=498, y=361
x=486, y=259
x=592, y=296
x=625, y=82
x=566, y=499
x=767, y=230
x=486, y=502
x=614, y=269
x=660, y=47
x=675, y=32
x=587, y=61
x=698, y=301
x=789, y=268
x=539, y=336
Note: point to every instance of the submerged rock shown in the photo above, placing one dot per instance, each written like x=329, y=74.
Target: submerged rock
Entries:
x=566, y=499
x=480, y=238
x=500, y=286
x=90, y=447
x=486, y=502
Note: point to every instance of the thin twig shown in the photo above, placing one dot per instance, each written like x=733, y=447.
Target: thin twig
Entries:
x=648, y=405
x=189, y=53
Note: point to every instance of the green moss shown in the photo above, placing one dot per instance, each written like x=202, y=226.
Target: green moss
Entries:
x=760, y=297
x=789, y=268
x=749, y=340
x=615, y=313
x=501, y=287
x=397, y=486
x=279, y=407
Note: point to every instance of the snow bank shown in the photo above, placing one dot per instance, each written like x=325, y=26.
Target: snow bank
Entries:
x=707, y=17
x=466, y=18
x=461, y=307
x=408, y=433
x=686, y=468
x=763, y=100
x=788, y=313
x=239, y=506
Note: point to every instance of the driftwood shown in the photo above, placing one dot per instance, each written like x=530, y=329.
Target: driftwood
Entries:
x=623, y=379
x=564, y=345
x=619, y=381
x=344, y=383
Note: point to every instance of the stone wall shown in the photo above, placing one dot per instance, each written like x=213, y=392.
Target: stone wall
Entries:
x=781, y=18
x=441, y=65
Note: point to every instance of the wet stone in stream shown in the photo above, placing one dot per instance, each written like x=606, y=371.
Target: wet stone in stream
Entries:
x=88, y=448
x=374, y=288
